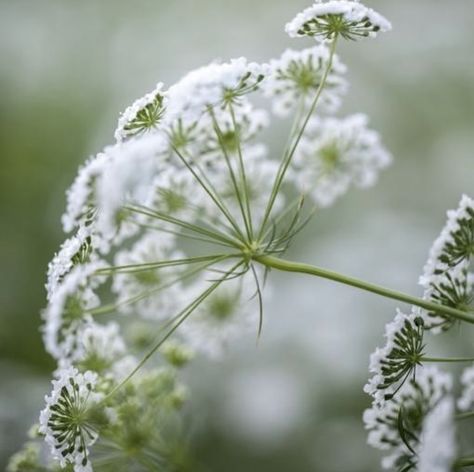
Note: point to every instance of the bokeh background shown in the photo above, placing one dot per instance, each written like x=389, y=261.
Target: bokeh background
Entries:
x=294, y=402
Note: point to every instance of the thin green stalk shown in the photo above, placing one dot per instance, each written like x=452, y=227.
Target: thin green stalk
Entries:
x=231, y=171
x=464, y=462
x=212, y=233
x=243, y=175
x=182, y=316
x=287, y=266
x=447, y=359
x=289, y=156
x=210, y=190
x=465, y=415
x=181, y=234
x=185, y=275
x=132, y=268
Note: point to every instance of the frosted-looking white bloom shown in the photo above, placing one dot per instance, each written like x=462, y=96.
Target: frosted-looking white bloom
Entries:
x=392, y=365
x=98, y=347
x=406, y=410
x=141, y=286
x=296, y=77
x=335, y=154
x=176, y=193
x=127, y=178
x=68, y=306
x=249, y=121
x=81, y=194
x=455, y=244
x=144, y=115
x=64, y=421
x=229, y=312
x=212, y=85
x=466, y=400
x=438, y=439
x=328, y=19
x=75, y=250
x=453, y=288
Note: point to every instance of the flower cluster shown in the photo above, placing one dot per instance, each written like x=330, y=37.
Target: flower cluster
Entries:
x=166, y=230
x=413, y=409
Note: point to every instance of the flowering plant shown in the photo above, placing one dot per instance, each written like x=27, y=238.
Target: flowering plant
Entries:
x=173, y=231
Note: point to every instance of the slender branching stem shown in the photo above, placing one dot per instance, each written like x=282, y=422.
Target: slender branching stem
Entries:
x=288, y=156
x=287, y=266
x=447, y=359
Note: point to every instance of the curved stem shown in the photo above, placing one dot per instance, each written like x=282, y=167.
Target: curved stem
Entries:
x=287, y=266
x=447, y=359
x=464, y=462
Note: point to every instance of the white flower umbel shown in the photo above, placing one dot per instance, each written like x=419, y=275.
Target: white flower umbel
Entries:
x=98, y=348
x=329, y=19
x=455, y=244
x=64, y=421
x=393, y=364
x=68, y=307
x=335, y=154
x=294, y=78
x=229, y=312
x=438, y=439
x=396, y=425
x=453, y=288
x=127, y=179
x=81, y=195
x=144, y=115
x=211, y=86
x=76, y=250
x=466, y=400
x=143, y=288
x=233, y=130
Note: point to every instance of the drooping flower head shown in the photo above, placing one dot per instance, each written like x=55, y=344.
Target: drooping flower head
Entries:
x=329, y=19
x=393, y=364
x=396, y=426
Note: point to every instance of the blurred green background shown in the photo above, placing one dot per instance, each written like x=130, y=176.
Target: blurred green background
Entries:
x=294, y=402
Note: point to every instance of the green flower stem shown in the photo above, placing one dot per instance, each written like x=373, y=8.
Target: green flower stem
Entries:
x=288, y=156
x=447, y=359
x=465, y=415
x=464, y=462
x=180, y=318
x=287, y=266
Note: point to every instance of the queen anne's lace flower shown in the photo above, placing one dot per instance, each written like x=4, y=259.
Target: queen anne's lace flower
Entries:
x=455, y=244
x=329, y=19
x=438, y=439
x=68, y=308
x=76, y=250
x=396, y=425
x=98, y=348
x=393, y=364
x=335, y=154
x=141, y=286
x=81, y=195
x=144, y=115
x=127, y=179
x=212, y=86
x=295, y=77
x=453, y=288
x=227, y=313
x=65, y=422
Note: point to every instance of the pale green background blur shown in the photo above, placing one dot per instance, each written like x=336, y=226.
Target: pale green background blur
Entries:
x=68, y=67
